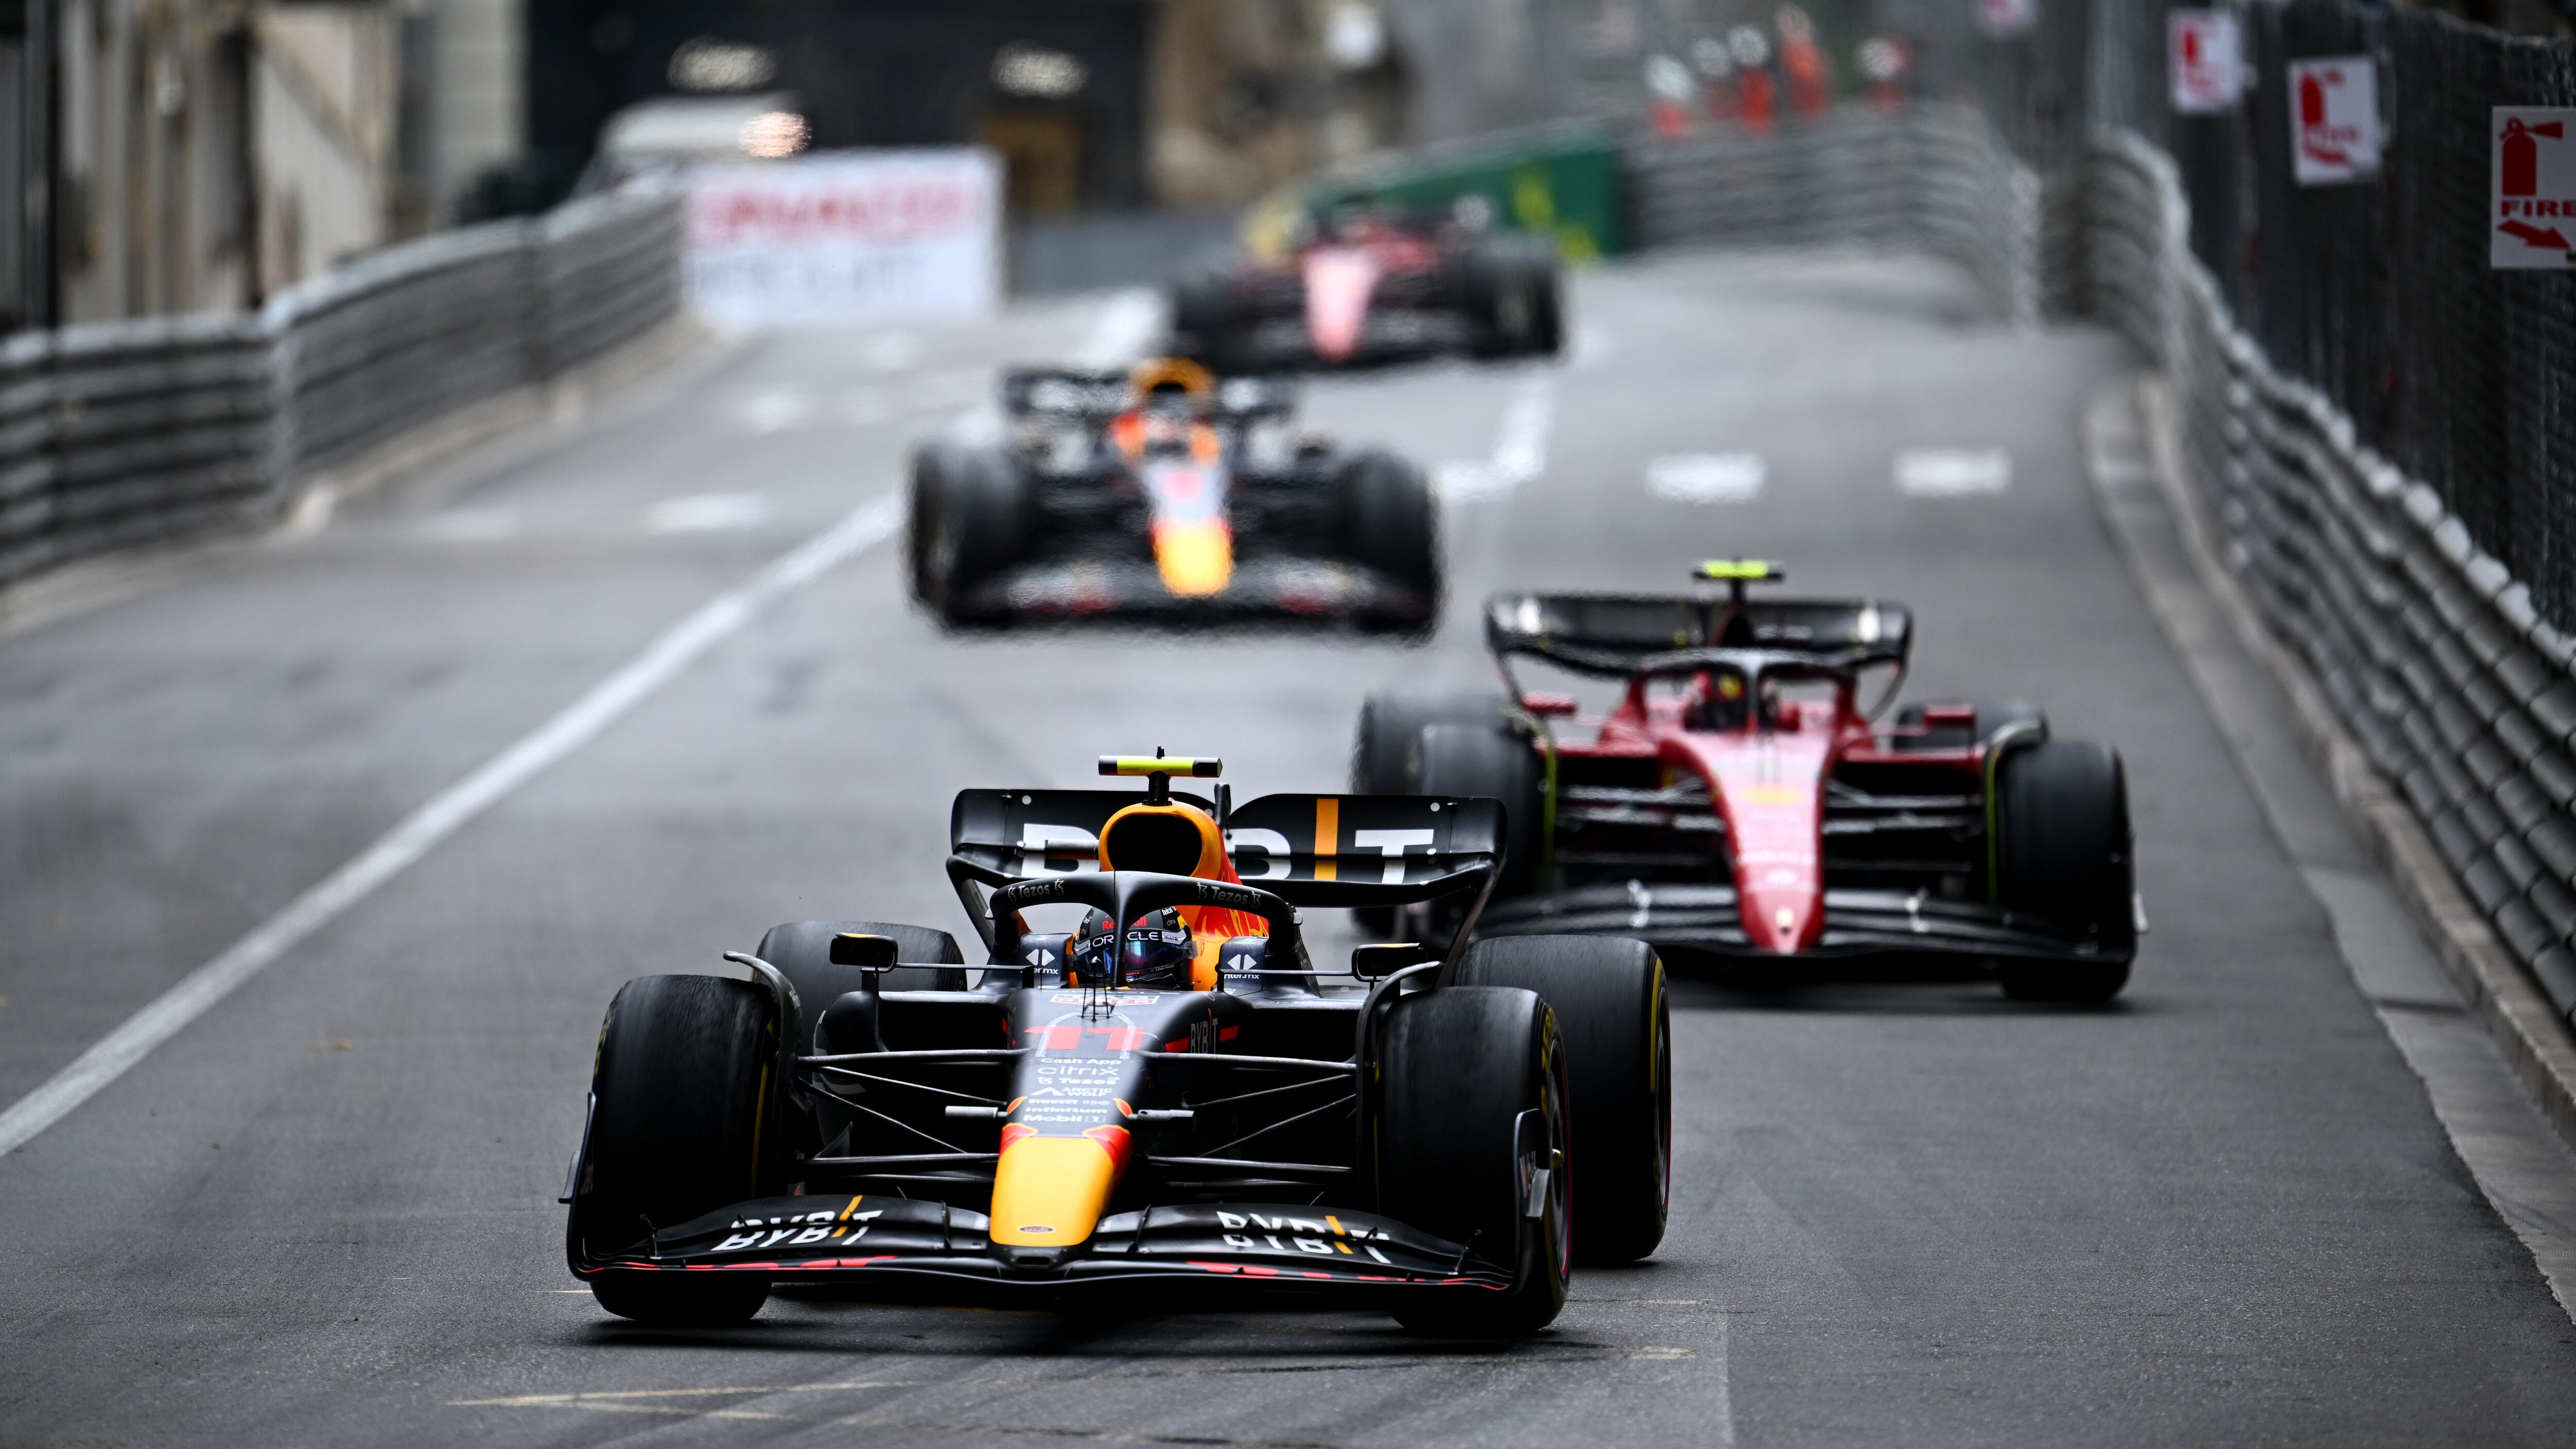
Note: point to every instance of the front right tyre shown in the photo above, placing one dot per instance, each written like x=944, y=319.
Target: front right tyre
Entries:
x=681, y=1095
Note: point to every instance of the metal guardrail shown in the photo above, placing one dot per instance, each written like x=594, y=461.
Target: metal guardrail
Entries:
x=125, y=433
x=2437, y=661
x=1933, y=176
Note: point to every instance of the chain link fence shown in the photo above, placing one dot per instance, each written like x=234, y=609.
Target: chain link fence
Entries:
x=126, y=433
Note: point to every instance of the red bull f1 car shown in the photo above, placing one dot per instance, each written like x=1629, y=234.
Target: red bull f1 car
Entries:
x=1737, y=800
x=1172, y=1101
x=1366, y=288
x=1165, y=492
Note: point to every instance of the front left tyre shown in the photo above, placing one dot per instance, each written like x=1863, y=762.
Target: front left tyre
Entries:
x=681, y=1094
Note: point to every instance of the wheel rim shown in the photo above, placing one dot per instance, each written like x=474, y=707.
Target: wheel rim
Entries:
x=1560, y=1140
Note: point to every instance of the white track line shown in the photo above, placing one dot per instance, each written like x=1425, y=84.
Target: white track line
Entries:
x=445, y=814
x=1520, y=447
x=1127, y=321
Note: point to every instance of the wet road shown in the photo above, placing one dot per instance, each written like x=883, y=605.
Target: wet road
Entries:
x=323, y=1212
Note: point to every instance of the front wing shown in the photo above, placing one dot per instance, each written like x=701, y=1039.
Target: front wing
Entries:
x=1391, y=334
x=1319, y=588
x=916, y=1251
x=1857, y=923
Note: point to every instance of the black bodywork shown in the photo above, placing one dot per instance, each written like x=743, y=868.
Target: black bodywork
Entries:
x=1248, y=1105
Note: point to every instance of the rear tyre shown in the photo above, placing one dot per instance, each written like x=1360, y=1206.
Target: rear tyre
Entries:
x=1547, y=337
x=1458, y=1067
x=1386, y=756
x=972, y=509
x=1496, y=761
x=680, y=1093
x=802, y=952
x=1204, y=321
x=1611, y=1012
x=1388, y=521
x=2063, y=853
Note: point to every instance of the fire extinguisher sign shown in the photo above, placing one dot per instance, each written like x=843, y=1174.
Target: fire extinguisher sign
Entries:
x=2534, y=210
x=2334, y=120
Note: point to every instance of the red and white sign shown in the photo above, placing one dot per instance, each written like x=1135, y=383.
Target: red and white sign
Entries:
x=836, y=237
x=2334, y=119
x=2533, y=209
x=2002, y=18
x=2208, y=61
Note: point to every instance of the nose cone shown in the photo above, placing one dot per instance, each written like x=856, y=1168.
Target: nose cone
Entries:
x=1048, y=1192
x=1782, y=922
x=1195, y=559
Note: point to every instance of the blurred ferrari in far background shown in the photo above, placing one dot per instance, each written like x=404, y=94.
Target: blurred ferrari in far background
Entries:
x=1365, y=287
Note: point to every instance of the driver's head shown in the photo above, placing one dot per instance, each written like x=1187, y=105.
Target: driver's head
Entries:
x=1154, y=951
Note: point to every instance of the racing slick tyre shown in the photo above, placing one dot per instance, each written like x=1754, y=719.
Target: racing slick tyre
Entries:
x=1386, y=755
x=1512, y=295
x=1496, y=761
x=802, y=952
x=679, y=1098
x=1608, y=996
x=2063, y=852
x=1457, y=1070
x=1387, y=521
x=970, y=521
x=1205, y=326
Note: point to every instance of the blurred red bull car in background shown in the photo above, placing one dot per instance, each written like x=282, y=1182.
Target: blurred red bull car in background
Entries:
x=1365, y=287
x=1165, y=492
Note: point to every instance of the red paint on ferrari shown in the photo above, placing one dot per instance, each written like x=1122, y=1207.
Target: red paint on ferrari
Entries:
x=1339, y=282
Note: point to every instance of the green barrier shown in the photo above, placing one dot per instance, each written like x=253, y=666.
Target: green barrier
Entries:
x=1561, y=181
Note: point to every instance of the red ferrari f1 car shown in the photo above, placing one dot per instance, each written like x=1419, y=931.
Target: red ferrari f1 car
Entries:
x=1170, y=1102
x=1737, y=799
x=1363, y=287
x=1167, y=492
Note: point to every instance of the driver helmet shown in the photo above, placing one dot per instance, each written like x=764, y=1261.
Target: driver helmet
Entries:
x=1154, y=951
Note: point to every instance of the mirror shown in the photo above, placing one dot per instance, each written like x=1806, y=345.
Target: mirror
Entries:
x=850, y=949
x=1376, y=963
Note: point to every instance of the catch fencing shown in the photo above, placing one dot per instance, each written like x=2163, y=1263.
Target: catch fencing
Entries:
x=2380, y=430
x=124, y=433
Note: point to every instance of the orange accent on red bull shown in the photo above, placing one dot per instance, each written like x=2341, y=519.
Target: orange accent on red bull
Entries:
x=1328, y=836
x=1210, y=926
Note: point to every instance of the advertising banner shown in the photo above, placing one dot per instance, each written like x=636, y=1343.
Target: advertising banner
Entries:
x=836, y=237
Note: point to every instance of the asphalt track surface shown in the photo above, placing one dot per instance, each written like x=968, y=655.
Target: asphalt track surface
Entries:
x=324, y=1211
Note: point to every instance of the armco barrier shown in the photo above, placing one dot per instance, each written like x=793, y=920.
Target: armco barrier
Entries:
x=1936, y=177
x=2437, y=662
x=123, y=433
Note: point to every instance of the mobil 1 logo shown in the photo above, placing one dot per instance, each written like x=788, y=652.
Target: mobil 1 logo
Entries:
x=2532, y=210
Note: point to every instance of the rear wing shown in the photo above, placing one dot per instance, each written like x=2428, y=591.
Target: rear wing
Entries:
x=1309, y=850
x=1616, y=635
x=1087, y=396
